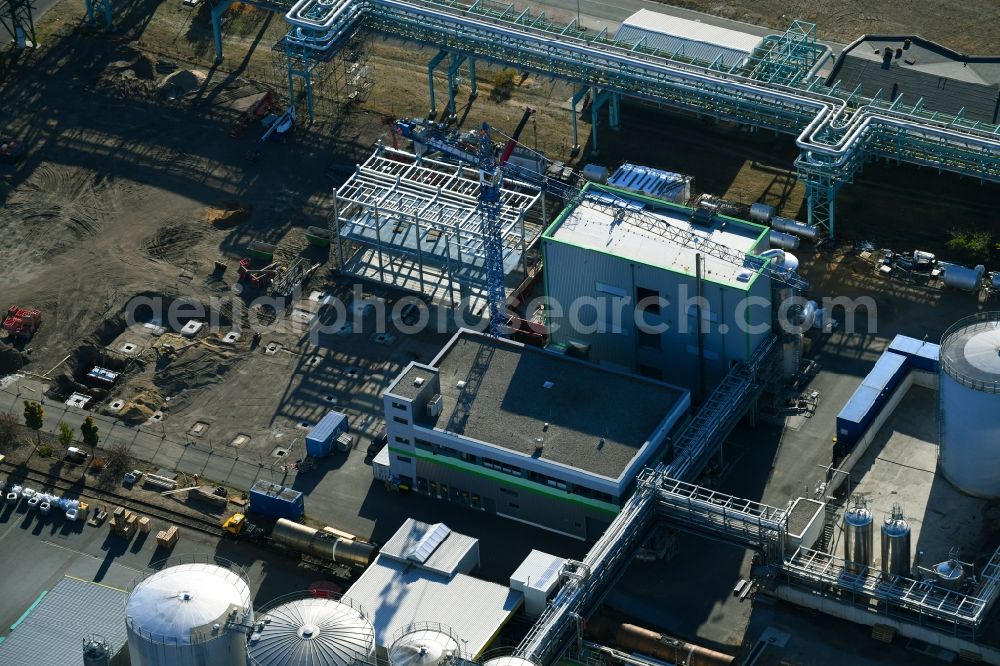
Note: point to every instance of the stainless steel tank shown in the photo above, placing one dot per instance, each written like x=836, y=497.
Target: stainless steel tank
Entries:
x=808, y=231
x=96, y=652
x=896, y=544
x=969, y=397
x=950, y=574
x=191, y=614
x=761, y=212
x=858, y=537
x=309, y=631
x=324, y=545
x=783, y=240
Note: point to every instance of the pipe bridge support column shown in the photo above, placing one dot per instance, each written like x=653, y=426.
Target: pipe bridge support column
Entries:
x=217, y=12
x=600, y=98
x=109, y=20
x=574, y=101
x=431, y=66
x=456, y=62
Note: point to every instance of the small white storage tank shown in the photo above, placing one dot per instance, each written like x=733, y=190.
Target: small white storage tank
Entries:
x=311, y=631
x=424, y=644
x=761, y=212
x=191, y=614
x=509, y=661
x=969, y=403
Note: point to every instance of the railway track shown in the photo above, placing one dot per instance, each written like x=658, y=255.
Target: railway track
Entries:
x=51, y=483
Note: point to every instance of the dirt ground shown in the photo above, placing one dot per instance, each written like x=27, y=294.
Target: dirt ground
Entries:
x=962, y=26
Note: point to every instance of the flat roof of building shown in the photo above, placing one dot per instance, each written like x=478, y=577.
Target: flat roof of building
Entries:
x=397, y=594
x=512, y=391
x=592, y=225
x=52, y=630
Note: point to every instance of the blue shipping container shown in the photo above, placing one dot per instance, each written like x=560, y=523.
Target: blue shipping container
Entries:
x=869, y=398
x=922, y=355
x=319, y=441
x=270, y=499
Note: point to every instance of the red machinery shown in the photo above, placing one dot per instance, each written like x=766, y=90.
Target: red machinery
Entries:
x=257, y=277
x=260, y=109
x=22, y=322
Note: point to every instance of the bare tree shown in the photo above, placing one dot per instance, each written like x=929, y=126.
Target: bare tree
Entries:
x=8, y=430
x=118, y=459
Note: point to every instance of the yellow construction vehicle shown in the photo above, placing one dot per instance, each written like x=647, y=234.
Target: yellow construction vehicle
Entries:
x=238, y=526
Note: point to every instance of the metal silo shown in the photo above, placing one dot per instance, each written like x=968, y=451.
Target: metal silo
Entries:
x=858, y=536
x=508, y=661
x=311, y=631
x=896, y=543
x=190, y=614
x=969, y=402
x=424, y=644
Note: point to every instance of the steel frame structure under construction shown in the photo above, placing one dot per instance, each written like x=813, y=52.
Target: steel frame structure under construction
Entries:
x=418, y=226
x=837, y=131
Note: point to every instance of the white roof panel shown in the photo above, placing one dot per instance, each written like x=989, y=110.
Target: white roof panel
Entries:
x=433, y=547
x=539, y=570
x=592, y=227
x=398, y=594
x=692, y=30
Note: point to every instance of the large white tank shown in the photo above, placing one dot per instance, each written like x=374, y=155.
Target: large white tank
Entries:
x=312, y=631
x=508, y=661
x=969, y=402
x=424, y=644
x=191, y=614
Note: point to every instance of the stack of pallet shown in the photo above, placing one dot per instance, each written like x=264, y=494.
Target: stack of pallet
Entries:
x=123, y=522
x=168, y=537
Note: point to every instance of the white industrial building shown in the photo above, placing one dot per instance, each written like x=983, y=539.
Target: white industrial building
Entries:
x=526, y=433
x=621, y=285
x=418, y=590
x=697, y=41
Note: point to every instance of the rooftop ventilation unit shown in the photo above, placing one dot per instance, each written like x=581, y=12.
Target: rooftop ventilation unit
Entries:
x=419, y=381
x=435, y=404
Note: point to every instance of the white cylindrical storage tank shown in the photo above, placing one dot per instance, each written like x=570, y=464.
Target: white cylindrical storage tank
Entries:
x=424, y=644
x=761, y=212
x=858, y=529
x=310, y=631
x=194, y=614
x=509, y=661
x=969, y=401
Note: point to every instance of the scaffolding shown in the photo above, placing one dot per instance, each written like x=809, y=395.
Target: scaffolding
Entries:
x=788, y=58
x=414, y=223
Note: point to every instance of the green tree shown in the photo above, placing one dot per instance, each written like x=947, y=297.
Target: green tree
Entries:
x=34, y=417
x=971, y=245
x=89, y=430
x=65, y=435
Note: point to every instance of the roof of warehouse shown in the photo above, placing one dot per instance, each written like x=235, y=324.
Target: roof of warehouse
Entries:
x=53, y=631
x=433, y=547
x=694, y=39
x=518, y=389
x=946, y=80
x=397, y=594
x=591, y=227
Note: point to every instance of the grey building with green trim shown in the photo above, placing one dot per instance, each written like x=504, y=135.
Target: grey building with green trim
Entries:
x=621, y=293
x=526, y=433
